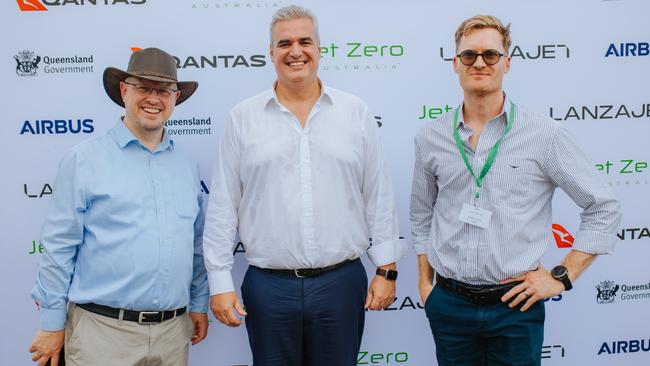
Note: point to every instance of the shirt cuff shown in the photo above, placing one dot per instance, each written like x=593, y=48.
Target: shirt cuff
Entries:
x=420, y=248
x=594, y=242
x=53, y=319
x=387, y=252
x=199, y=304
x=220, y=282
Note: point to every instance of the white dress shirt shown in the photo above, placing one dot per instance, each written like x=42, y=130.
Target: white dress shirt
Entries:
x=299, y=197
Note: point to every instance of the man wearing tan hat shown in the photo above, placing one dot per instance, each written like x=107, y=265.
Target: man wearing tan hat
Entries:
x=122, y=279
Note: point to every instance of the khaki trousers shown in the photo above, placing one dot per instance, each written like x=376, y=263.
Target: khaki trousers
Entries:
x=93, y=339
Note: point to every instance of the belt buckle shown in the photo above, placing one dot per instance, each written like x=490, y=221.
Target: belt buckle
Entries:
x=295, y=271
x=142, y=314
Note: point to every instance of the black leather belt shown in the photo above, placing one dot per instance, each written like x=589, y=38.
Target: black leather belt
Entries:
x=142, y=317
x=477, y=294
x=308, y=272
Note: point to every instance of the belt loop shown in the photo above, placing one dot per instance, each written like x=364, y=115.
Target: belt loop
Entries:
x=120, y=317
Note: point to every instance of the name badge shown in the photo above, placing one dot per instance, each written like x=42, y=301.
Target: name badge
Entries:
x=475, y=216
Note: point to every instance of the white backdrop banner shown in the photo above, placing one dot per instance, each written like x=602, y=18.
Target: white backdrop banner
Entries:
x=582, y=62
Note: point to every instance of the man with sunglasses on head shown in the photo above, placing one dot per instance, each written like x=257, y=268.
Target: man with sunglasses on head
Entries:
x=483, y=182
x=122, y=279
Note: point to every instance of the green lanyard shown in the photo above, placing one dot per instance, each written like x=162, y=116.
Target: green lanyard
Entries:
x=491, y=154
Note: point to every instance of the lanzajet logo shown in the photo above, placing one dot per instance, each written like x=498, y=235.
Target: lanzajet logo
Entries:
x=433, y=112
x=563, y=239
x=39, y=5
x=538, y=52
x=361, y=56
x=57, y=126
x=598, y=112
x=554, y=351
x=625, y=172
x=204, y=188
x=27, y=63
x=37, y=192
x=628, y=49
x=629, y=346
x=634, y=233
x=606, y=292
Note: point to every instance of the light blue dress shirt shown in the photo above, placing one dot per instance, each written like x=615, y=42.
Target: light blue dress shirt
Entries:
x=123, y=229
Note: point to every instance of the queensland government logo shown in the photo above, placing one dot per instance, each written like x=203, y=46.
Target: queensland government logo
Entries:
x=27, y=63
x=606, y=292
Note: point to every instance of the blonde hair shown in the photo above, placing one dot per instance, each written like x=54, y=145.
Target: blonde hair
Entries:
x=484, y=21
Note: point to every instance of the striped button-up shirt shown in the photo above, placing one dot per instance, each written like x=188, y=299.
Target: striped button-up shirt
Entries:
x=535, y=157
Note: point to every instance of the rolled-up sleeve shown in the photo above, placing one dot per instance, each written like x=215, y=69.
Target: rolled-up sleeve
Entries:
x=569, y=169
x=423, y=196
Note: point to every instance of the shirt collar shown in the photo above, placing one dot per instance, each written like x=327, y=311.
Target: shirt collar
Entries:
x=505, y=110
x=271, y=96
x=123, y=136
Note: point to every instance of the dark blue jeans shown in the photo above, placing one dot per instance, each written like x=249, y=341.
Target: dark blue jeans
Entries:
x=314, y=321
x=473, y=335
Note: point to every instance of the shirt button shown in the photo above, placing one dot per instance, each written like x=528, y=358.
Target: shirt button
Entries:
x=155, y=301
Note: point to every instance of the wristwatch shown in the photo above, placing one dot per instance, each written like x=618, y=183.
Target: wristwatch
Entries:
x=561, y=274
x=388, y=274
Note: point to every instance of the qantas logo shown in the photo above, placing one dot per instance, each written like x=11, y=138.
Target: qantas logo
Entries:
x=31, y=5
x=563, y=238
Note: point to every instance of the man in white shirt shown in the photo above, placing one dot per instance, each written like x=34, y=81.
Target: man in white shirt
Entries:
x=300, y=176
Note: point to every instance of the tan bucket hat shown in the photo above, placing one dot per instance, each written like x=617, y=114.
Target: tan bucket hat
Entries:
x=151, y=64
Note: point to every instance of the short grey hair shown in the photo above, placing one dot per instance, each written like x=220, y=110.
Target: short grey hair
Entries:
x=293, y=12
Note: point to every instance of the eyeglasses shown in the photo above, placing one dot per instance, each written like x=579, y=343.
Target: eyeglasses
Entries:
x=145, y=90
x=490, y=57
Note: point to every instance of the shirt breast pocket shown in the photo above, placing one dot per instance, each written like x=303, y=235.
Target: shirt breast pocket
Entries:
x=511, y=182
x=185, y=199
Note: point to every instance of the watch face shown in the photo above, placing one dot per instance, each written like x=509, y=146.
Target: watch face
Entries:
x=391, y=275
x=559, y=272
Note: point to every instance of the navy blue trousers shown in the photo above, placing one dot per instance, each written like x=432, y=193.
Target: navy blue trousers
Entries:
x=474, y=335
x=313, y=321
